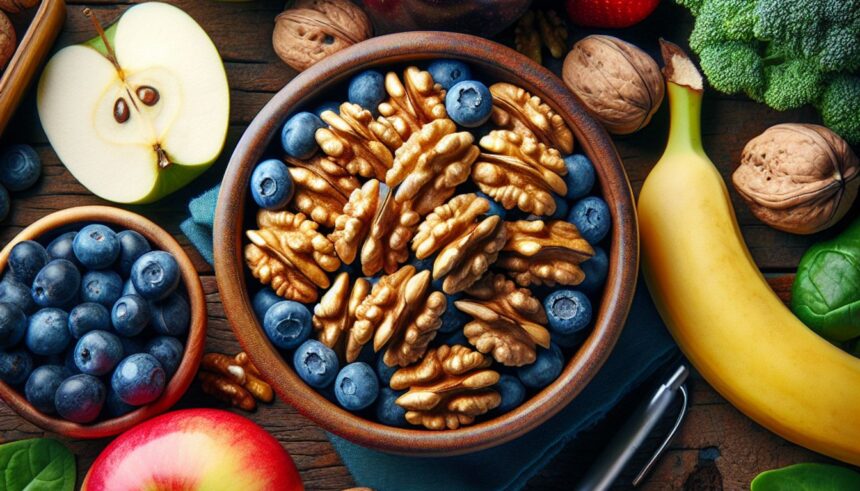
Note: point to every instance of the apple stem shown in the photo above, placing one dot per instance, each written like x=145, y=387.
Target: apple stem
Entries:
x=163, y=161
x=111, y=55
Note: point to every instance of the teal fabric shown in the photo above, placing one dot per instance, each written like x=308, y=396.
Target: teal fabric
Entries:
x=644, y=347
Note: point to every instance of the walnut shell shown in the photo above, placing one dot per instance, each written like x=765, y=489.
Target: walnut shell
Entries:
x=314, y=29
x=8, y=40
x=799, y=178
x=619, y=84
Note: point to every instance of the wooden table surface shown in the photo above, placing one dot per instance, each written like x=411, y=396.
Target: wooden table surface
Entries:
x=717, y=447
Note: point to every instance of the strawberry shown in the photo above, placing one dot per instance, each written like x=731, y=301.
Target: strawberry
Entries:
x=609, y=13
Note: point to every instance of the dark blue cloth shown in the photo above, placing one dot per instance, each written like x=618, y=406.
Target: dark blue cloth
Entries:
x=644, y=347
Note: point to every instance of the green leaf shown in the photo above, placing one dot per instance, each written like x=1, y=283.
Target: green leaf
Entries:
x=39, y=464
x=807, y=477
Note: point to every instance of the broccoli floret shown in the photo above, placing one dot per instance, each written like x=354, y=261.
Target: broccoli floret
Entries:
x=792, y=84
x=723, y=20
x=734, y=67
x=840, y=107
x=840, y=50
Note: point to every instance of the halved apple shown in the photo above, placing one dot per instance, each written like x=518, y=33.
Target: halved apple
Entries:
x=141, y=111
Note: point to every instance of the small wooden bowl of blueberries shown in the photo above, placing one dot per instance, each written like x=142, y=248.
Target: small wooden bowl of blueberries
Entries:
x=425, y=244
x=102, y=321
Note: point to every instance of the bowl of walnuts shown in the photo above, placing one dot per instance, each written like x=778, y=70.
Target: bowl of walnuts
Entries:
x=425, y=244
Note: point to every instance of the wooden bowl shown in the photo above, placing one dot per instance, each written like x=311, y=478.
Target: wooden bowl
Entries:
x=73, y=219
x=32, y=49
x=494, y=61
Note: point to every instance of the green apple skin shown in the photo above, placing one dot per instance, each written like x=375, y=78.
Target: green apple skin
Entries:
x=178, y=174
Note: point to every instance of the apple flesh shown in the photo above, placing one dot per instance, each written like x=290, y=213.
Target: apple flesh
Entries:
x=141, y=116
x=194, y=449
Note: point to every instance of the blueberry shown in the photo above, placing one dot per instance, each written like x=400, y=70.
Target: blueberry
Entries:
x=88, y=317
x=453, y=318
x=128, y=288
x=495, y=207
x=42, y=386
x=387, y=410
x=80, y=398
x=15, y=366
x=16, y=293
x=384, y=371
x=332, y=106
x=102, y=286
x=592, y=219
x=20, y=167
x=171, y=316
x=513, y=393
x=561, y=208
x=63, y=248
x=26, y=259
x=98, y=352
x=168, y=351
x=544, y=370
x=132, y=345
x=13, y=325
x=367, y=89
x=5, y=203
x=56, y=284
x=114, y=406
x=272, y=185
x=287, y=324
x=138, y=379
x=568, y=311
x=48, y=332
x=315, y=363
x=297, y=137
x=580, y=176
x=130, y=315
x=447, y=73
x=155, y=275
x=595, y=268
x=96, y=246
x=264, y=299
x=469, y=103
x=132, y=245
x=356, y=386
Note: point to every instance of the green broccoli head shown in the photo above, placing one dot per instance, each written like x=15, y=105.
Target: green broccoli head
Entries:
x=840, y=107
x=734, y=67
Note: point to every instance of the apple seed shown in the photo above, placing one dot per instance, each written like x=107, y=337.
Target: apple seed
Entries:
x=148, y=95
x=120, y=111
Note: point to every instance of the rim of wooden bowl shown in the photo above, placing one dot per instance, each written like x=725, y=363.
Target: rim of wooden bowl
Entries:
x=181, y=380
x=505, y=64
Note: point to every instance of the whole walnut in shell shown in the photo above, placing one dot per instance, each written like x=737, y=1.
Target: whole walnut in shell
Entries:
x=314, y=29
x=7, y=40
x=799, y=178
x=619, y=84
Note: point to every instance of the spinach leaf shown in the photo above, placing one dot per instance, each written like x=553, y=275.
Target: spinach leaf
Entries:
x=39, y=464
x=807, y=477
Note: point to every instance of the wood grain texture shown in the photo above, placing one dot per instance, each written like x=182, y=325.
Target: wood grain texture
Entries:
x=716, y=436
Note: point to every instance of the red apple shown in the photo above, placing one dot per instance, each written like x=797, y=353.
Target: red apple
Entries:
x=194, y=449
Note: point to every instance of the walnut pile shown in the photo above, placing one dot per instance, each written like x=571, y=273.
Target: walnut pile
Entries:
x=544, y=253
x=467, y=243
x=449, y=388
x=508, y=321
x=402, y=314
x=288, y=252
x=314, y=29
x=518, y=171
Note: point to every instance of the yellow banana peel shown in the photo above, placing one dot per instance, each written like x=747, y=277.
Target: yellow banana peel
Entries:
x=737, y=333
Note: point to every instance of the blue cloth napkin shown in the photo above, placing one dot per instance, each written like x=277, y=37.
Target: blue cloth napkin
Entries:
x=644, y=347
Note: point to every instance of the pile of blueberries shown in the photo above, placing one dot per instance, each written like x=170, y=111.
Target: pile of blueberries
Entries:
x=93, y=324
x=357, y=386
x=20, y=168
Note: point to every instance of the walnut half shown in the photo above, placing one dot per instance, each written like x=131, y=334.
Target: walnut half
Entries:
x=544, y=253
x=515, y=109
x=448, y=389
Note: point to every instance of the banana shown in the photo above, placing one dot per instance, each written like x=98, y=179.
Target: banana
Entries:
x=718, y=306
